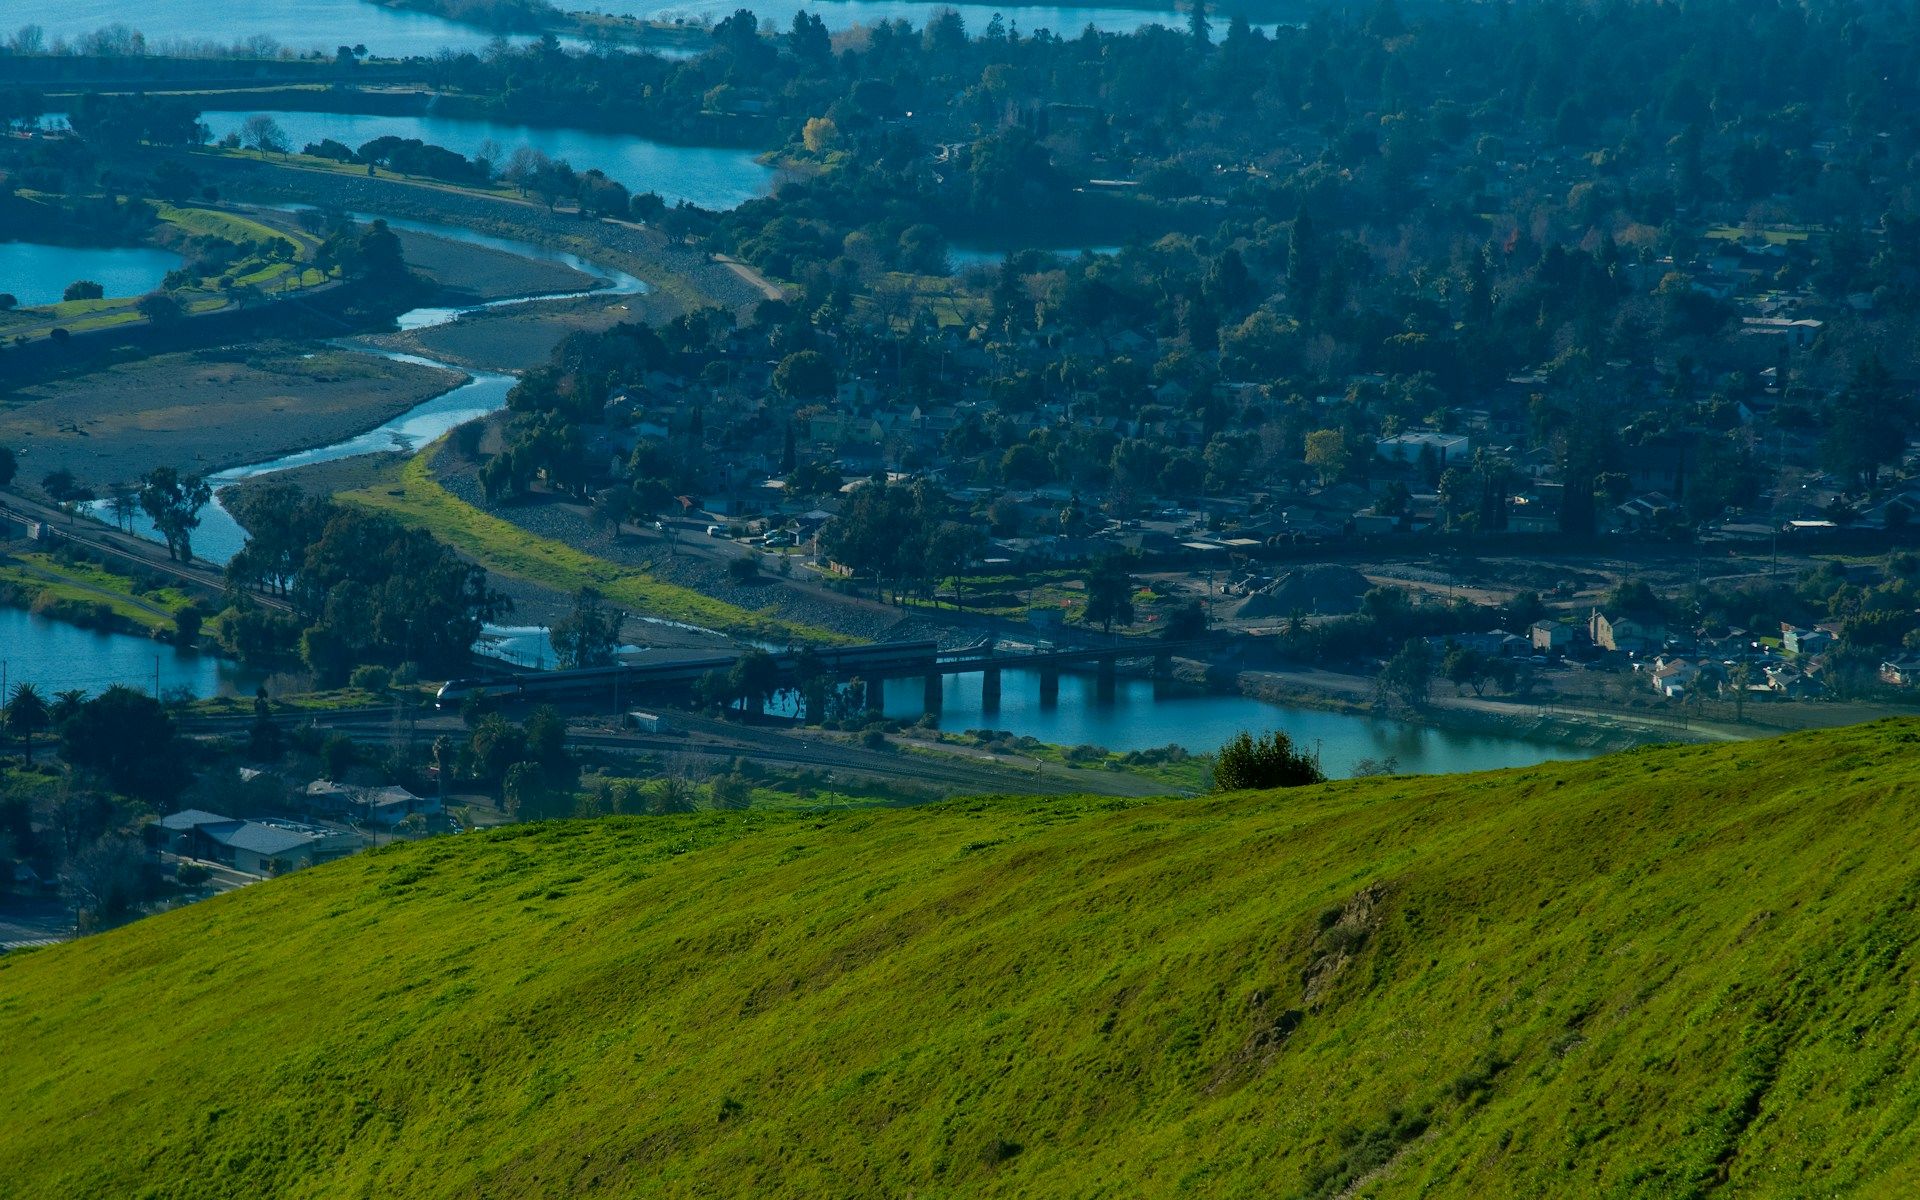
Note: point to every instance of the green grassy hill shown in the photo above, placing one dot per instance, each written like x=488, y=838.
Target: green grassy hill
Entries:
x=1680, y=972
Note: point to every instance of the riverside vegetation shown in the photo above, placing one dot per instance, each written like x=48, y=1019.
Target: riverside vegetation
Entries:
x=1443, y=986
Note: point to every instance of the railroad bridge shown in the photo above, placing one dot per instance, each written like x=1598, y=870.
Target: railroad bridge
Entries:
x=871, y=664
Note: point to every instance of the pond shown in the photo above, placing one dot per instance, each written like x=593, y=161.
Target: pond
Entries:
x=55, y=657
x=1139, y=714
x=962, y=258
x=37, y=274
x=704, y=175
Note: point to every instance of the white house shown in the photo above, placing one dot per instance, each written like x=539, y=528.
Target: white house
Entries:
x=1447, y=448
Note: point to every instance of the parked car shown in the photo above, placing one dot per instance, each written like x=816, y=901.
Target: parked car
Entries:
x=715, y=531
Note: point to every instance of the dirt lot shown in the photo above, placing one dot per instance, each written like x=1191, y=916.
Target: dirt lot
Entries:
x=206, y=410
x=521, y=336
x=472, y=274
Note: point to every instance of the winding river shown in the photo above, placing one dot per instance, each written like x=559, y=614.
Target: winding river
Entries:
x=220, y=537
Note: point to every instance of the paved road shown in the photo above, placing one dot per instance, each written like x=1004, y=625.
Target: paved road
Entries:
x=951, y=769
x=27, y=921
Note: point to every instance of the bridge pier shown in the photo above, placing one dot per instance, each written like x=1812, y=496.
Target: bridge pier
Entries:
x=931, y=697
x=1105, y=672
x=876, y=697
x=1049, y=687
x=1162, y=665
x=990, y=690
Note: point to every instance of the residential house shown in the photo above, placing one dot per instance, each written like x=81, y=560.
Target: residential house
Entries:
x=1901, y=672
x=1550, y=637
x=1674, y=677
x=268, y=846
x=1799, y=642
x=1623, y=633
x=383, y=806
x=1787, y=680
x=1446, y=448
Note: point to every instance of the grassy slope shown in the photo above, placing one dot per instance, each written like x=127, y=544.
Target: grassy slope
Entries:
x=1673, y=972
x=501, y=546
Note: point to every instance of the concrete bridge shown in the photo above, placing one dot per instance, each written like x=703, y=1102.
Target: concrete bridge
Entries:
x=989, y=663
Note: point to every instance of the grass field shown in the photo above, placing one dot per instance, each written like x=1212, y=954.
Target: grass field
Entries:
x=417, y=498
x=1675, y=972
x=43, y=581
x=286, y=271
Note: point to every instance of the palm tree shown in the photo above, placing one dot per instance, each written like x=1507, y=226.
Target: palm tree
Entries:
x=66, y=705
x=26, y=712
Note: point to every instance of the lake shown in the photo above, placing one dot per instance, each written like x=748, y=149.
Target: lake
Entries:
x=38, y=274
x=300, y=25
x=1141, y=715
x=709, y=177
x=324, y=25
x=55, y=656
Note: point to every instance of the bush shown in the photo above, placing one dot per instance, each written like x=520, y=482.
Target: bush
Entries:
x=371, y=678
x=192, y=875
x=186, y=624
x=1268, y=762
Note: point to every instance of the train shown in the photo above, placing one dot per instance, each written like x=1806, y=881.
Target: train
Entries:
x=844, y=661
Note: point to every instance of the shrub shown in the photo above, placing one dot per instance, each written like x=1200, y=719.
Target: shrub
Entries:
x=192, y=874
x=371, y=678
x=1267, y=762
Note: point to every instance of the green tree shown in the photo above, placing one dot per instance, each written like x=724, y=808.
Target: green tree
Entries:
x=26, y=714
x=1868, y=426
x=1327, y=453
x=1110, y=594
x=173, y=501
x=752, y=680
x=1272, y=761
x=587, y=636
x=1410, y=672
x=804, y=375
x=128, y=740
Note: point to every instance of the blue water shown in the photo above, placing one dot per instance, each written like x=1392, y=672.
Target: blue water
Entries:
x=305, y=25
x=54, y=657
x=962, y=257
x=1142, y=715
x=712, y=178
x=300, y=25
x=37, y=274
